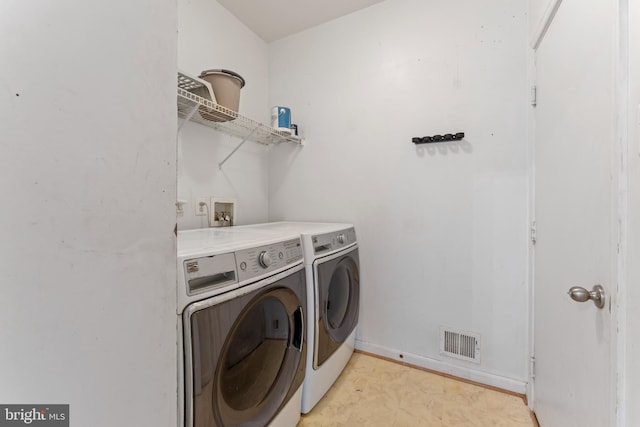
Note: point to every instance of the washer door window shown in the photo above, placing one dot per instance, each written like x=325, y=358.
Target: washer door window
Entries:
x=246, y=362
x=338, y=293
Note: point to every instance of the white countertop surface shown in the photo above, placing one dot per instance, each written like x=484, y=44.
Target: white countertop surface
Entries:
x=212, y=241
x=296, y=227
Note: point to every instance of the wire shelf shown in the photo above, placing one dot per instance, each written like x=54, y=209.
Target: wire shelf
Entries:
x=192, y=107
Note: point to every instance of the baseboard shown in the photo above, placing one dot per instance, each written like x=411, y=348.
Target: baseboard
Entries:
x=534, y=419
x=483, y=378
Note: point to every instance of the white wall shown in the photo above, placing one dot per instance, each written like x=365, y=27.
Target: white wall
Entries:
x=87, y=175
x=442, y=228
x=210, y=37
x=632, y=374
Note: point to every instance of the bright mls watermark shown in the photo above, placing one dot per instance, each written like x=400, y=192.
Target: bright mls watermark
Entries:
x=34, y=415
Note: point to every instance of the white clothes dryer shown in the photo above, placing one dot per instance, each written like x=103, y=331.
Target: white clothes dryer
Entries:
x=332, y=268
x=242, y=308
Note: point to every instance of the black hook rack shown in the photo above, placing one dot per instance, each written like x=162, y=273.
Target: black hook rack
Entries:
x=438, y=138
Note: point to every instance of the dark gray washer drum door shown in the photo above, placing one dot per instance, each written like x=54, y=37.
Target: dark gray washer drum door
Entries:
x=248, y=355
x=338, y=283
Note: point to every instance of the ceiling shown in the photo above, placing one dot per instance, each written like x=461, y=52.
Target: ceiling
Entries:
x=275, y=19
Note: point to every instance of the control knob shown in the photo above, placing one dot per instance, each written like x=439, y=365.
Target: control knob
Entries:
x=264, y=259
x=341, y=238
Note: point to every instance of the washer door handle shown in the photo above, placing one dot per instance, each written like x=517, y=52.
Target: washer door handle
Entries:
x=298, y=329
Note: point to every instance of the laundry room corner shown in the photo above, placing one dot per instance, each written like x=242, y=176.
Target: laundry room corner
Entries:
x=442, y=227
x=210, y=37
x=255, y=213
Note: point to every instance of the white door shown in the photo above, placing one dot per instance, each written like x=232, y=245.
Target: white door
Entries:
x=574, y=213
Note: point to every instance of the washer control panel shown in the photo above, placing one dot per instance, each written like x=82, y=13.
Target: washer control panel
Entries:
x=332, y=241
x=255, y=262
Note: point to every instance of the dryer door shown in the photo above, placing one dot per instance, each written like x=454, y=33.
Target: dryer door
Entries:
x=337, y=290
x=247, y=355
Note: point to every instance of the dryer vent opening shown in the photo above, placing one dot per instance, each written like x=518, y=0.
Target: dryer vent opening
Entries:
x=460, y=344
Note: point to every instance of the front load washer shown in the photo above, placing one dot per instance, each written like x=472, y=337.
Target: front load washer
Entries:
x=242, y=305
x=332, y=267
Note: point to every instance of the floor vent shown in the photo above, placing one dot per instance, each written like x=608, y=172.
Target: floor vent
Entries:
x=460, y=344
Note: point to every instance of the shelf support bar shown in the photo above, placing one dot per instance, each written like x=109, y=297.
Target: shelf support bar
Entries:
x=237, y=148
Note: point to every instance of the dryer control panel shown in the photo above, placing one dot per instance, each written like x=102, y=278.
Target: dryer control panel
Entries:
x=332, y=241
x=257, y=261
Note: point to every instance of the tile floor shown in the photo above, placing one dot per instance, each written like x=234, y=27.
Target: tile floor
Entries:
x=376, y=392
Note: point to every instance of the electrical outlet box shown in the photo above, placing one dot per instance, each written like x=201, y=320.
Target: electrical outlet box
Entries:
x=202, y=205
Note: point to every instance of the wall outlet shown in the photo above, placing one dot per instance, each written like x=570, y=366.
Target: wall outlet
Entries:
x=201, y=206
